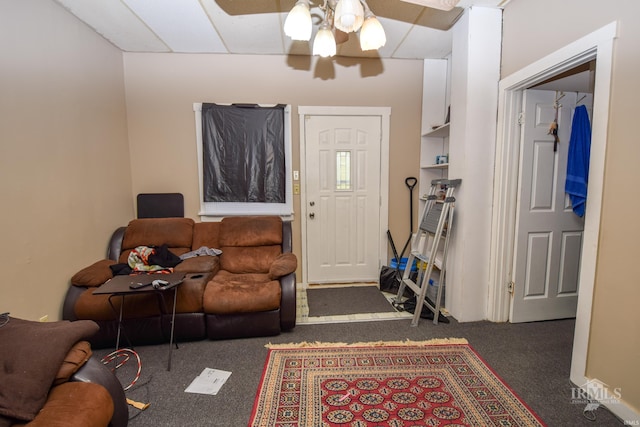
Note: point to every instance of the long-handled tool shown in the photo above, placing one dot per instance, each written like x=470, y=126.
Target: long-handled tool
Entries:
x=410, y=182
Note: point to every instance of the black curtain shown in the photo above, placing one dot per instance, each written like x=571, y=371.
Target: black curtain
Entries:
x=243, y=153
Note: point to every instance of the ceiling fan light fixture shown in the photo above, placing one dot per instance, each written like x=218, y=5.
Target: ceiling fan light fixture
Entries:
x=340, y=18
x=372, y=36
x=298, y=24
x=324, y=44
x=349, y=15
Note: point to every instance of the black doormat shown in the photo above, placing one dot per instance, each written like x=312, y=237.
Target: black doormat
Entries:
x=334, y=301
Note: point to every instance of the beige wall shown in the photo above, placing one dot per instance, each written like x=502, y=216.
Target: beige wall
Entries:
x=64, y=160
x=533, y=29
x=161, y=90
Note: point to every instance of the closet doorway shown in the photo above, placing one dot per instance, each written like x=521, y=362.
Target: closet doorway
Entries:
x=597, y=46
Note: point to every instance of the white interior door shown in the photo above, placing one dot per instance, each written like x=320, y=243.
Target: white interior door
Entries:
x=342, y=184
x=549, y=235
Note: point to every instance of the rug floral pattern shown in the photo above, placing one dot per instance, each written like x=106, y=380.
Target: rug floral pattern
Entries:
x=420, y=384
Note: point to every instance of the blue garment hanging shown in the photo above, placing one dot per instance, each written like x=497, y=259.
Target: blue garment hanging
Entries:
x=578, y=160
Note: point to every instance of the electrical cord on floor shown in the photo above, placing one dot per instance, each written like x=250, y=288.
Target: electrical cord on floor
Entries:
x=147, y=397
x=120, y=357
x=589, y=411
x=125, y=354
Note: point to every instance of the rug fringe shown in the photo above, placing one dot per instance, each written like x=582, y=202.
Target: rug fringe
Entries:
x=316, y=344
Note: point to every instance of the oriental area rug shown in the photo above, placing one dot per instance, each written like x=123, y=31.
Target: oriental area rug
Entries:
x=428, y=383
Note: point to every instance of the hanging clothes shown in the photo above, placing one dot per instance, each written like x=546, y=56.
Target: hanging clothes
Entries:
x=578, y=160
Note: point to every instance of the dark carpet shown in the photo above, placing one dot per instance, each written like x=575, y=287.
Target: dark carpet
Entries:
x=532, y=358
x=346, y=300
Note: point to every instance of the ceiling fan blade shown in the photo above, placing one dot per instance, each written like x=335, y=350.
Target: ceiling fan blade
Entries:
x=435, y=4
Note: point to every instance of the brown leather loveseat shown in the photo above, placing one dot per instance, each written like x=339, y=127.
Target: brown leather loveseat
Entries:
x=247, y=290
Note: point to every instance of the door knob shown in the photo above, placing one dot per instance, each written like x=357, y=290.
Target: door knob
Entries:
x=312, y=215
x=312, y=203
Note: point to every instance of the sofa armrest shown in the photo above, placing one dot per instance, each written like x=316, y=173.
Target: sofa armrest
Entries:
x=94, y=371
x=68, y=307
x=115, y=244
x=284, y=264
x=288, y=302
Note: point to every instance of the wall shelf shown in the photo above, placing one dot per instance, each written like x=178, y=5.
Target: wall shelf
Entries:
x=439, y=132
x=438, y=166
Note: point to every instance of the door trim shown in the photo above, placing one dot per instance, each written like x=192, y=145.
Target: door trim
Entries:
x=599, y=46
x=384, y=113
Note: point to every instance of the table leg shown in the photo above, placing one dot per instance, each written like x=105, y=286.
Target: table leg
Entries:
x=173, y=321
x=115, y=359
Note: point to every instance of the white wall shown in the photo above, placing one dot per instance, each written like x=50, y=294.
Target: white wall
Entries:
x=475, y=72
x=64, y=159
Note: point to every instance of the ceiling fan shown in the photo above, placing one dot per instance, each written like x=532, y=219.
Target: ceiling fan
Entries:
x=445, y=5
x=341, y=17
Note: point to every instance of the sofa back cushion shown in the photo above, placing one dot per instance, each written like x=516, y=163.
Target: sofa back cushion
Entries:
x=206, y=234
x=176, y=233
x=250, y=244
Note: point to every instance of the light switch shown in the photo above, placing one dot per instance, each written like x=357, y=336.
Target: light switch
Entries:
x=296, y=188
x=296, y=175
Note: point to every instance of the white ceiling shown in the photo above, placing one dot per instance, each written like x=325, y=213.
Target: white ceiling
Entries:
x=255, y=26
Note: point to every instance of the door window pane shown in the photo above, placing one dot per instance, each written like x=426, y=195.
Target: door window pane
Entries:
x=343, y=170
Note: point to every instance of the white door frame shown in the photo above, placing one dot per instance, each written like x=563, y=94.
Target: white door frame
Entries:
x=384, y=113
x=599, y=46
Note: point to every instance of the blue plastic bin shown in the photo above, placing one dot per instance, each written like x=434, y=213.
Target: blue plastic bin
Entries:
x=403, y=264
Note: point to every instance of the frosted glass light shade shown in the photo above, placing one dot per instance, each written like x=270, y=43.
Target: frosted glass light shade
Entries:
x=298, y=23
x=325, y=43
x=372, y=34
x=349, y=15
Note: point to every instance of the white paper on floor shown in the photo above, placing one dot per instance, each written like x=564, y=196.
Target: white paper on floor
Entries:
x=208, y=382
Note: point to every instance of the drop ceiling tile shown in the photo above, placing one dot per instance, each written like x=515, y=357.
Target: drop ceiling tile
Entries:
x=183, y=25
x=253, y=33
x=115, y=22
x=395, y=31
x=423, y=42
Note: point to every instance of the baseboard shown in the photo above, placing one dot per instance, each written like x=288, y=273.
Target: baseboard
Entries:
x=623, y=411
x=615, y=405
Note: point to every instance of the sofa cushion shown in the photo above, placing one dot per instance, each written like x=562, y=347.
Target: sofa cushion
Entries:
x=94, y=275
x=174, y=232
x=206, y=234
x=77, y=356
x=199, y=264
x=30, y=355
x=241, y=293
x=251, y=231
x=240, y=260
x=75, y=404
x=190, y=294
x=284, y=264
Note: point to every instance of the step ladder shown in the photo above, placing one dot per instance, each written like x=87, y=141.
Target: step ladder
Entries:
x=432, y=237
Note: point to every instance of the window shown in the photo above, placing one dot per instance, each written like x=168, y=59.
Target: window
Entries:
x=244, y=159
